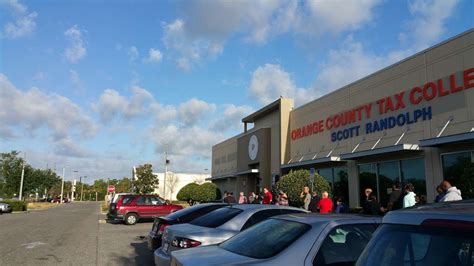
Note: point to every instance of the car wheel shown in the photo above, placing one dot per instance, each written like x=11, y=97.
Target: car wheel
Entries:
x=131, y=219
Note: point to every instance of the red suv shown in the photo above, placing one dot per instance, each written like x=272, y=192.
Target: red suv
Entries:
x=131, y=208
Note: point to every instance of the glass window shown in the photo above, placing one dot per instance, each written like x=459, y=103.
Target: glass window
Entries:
x=327, y=174
x=265, y=239
x=389, y=173
x=367, y=179
x=344, y=244
x=127, y=200
x=413, y=171
x=341, y=183
x=188, y=214
x=217, y=217
x=141, y=201
x=420, y=245
x=454, y=170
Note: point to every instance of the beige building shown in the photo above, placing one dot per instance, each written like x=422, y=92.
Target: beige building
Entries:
x=411, y=122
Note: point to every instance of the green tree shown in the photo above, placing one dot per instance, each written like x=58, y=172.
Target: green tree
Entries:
x=123, y=185
x=10, y=167
x=207, y=192
x=186, y=193
x=146, y=182
x=294, y=182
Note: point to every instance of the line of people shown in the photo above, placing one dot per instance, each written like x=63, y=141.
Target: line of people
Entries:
x=407, y=197
x=265, y=198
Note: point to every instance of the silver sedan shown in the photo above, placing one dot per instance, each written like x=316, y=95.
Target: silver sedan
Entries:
x=297, y=239
x=215, y=227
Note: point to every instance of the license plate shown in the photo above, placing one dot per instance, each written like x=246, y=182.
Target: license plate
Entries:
x=165, y=247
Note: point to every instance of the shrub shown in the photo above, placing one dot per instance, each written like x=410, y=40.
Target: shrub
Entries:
x=16, y=205
x=207, y=192
x=294, y=182
x=187, y=192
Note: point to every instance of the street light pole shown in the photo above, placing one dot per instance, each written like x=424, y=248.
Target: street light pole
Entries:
x=62, y=184
x=73, y=185
x=22, y=177
x=82, y=188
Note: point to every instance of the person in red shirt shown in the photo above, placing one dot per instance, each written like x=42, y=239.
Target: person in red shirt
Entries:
x=268, y=197
x=325, y=204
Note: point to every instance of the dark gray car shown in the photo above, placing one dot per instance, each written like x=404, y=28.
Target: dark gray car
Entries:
x=298, y=239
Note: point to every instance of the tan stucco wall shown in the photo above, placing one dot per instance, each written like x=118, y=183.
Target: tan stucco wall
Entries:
x=439, y=62
x=224, y=157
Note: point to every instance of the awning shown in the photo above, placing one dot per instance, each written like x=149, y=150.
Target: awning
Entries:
x=315, y=161
x=250, y=171
x=379, y=151
x=433, y=142
x=219, y=177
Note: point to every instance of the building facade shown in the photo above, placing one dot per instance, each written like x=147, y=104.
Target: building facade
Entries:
x=411, y=122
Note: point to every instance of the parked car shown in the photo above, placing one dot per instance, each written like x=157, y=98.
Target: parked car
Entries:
x=131, y=208
x=436, y=234
x=5, y=208
x=297, y=239
x=215, y=227
x=178, y=217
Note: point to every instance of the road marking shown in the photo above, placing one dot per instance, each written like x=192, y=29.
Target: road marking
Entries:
x=33, y=244
x=102, y=221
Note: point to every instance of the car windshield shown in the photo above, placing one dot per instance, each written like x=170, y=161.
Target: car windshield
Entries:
x=416, y=245
x=217, y=217
x=188, y=214
x=265, y=239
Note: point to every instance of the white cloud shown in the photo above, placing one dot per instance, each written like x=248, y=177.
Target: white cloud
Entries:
x=191, y=111
x=154, y=55
x=76, y=49
x=112, y=105
x=338, y=15
x=24, y=23
x=32, y=110
x=428, y=21
x=231, y=118
x=270, y=82
x=347, y=63
x=67, y=147
x=186, y=49
x=133, y=53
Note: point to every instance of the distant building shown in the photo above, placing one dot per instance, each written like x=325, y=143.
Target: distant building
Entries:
x=174, y=182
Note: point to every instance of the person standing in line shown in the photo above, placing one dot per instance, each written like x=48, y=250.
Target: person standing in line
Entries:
x=229, y=198
x=283, y=199
x=394, y=196
x=313, y=204
x=325, y=205
x=451, y=192
x=267, y=197
x=306, y=196
x=440, y=192
x=340, y=206
x=371, y=206
x=242, y=198
x=409, y=200
x=251, y=197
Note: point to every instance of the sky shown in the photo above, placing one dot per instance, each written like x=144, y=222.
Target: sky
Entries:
x=100, y=86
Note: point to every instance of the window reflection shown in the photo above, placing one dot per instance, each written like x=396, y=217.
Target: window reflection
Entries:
x=458, y=168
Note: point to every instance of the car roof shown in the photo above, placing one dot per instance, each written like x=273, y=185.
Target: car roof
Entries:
x=455, y=210
x=249, y=207
x=313, y=218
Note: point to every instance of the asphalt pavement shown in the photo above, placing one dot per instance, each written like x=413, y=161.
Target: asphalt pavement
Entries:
x=71, y=234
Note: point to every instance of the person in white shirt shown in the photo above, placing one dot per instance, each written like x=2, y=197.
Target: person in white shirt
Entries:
x=409, y=199
x=451, y=192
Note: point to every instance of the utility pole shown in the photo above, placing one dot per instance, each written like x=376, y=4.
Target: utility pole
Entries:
x=166, y=172
x=82, y=187
x=73, y=189
x=62, y=184
x=22, y=177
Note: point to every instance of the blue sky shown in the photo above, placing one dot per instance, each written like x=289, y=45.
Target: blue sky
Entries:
x=100, y=86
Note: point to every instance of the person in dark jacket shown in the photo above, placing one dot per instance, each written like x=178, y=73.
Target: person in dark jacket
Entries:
x=313, y=204
x=340, y=206
x=229, y=198
x=371, y=206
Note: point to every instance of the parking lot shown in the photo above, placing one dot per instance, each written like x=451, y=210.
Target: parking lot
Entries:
x=71, y=234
